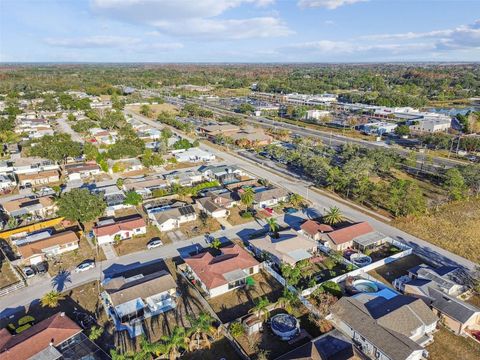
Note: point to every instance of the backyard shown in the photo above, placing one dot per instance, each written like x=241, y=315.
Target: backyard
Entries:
x=237, y=303
x=448, y=346
x=221, y=349
x=454, y=227
x=389, y=272
x=318, y=269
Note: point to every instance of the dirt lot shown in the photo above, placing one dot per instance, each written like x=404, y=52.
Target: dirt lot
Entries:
x=221, y=349
x=139, y=243
x=389, y=272
x=71, y=259
x=237, y=303
x=454, y=227
x=7, y=276
x=199, y=227
x=448, y=346
x=156, y=109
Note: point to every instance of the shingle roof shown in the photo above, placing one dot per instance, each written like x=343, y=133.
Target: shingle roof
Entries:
x=274, y=193
x=56, y=329
x=44, y=201
x=453, y=307
x=395, y=345
x=39, y=175
x=211, y=270
x=124, y=225
x=313, y=227
x=349, y=233
x=122, y=291
x=36, y=247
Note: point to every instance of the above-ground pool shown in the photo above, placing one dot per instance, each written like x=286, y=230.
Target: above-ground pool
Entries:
x=285, y=326
x=360, y=260
x=365, y=286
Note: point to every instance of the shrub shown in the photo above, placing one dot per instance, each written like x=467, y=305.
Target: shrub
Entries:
x=332, y=288
x=237, y=329
x=25, y=320
x=22, y=328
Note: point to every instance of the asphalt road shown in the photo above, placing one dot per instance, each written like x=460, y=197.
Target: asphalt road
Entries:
x=21, y=298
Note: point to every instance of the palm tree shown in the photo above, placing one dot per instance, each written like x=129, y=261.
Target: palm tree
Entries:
x=295, y=199
x=261, y=309
x=202, y=327
x=273, y=226
x=248, y=196
x=175, y=342
x=51, y=299
x=287, y=301
x=333, y=216
x=216, y=244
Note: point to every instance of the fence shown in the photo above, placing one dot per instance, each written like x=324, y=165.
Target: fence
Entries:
x=12, y=288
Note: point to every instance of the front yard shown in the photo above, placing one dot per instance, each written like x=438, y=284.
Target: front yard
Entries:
x=200, y=226
x=70, y=260
x=235, y=217
x=237, y=303
x=139, y=243
x=8, y=276
x=448, y=346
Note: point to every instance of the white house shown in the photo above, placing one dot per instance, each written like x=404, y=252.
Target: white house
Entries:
x=379, y=128
x=194, y=155
x=110, y=230
x=170, y=217
x=316, y=114
x=220, y=274
x=6, y=182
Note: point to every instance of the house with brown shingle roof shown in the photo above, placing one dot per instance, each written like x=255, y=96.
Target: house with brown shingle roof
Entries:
x=220, y=274
x=37, y=247
x=38, y=178
x=108, y=231
x=314, y=230
x=56, y=337
x=362, y=235
x=42, y=207
x=130, y=300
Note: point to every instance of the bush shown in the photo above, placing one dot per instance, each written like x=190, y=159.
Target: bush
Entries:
x=246, y=214
x=25, y=320
x=237, y=329
x=22, y=328
x=332, y=288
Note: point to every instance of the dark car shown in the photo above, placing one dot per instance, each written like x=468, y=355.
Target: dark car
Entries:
x=41, y=268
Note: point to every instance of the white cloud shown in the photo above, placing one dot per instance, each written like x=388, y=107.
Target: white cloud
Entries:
x=193, y=18
x=98, y=41
x=327, y=4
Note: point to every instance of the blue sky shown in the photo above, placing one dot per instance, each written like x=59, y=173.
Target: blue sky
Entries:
x=239, y=30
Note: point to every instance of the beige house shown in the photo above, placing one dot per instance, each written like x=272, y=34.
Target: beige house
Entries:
x=39, y=178
x=42, y=207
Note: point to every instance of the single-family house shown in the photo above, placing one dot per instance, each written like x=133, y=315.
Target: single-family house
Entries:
x=251, y=137
x=41, y=207
x=111, y=230
x=38, y=247
x=360, y=235
x=387, y=330
x=80, y=171
x=216, y=205
x=314, y=230
x=170, y=217
x=268, y=196
x=225, y=174
x=194, y=155
x=38, y=178
x=445, y=278
x=145, y=185
x=220, y=274
x=131, y=300
x=289, y=247
x=56, y=337
x=184, y=177
x=6, y=182
x=224, y=129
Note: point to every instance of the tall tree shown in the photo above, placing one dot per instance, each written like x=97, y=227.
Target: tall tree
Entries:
x=202, y=328
x=174, y=343
x=333, y=216
x=247, y=197
x=80, y=205
x=454, y=183
x=51, y=299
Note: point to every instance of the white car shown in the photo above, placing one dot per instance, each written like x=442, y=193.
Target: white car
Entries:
x=87, y=265
x=152, y=244
x=29, y=272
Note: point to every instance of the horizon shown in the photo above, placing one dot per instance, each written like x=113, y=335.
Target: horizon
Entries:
x=239, y=31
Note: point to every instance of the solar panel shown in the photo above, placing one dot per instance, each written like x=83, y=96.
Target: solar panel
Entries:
x=186, y=210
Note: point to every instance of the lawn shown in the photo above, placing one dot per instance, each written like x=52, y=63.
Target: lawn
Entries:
x=454, y=227
x=389, y=272
x=199, y=227
x=139, y=243
x=448, y=346
x=319, y=269
x=71, y=259
x=236, y=219
x=237, y=303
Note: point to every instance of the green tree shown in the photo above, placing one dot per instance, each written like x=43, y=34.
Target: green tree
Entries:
x=132, y=198
x=202, y=328
x=145, y=110
x=295, y=199
x=404, y=197
x=236, y=329
x=216, y=244
x=292, y=274
x=273, y=226
x=80, y=205
x=247, y=197
x=260, y=309
x=454, y=183
x=333, y=216
x=51, y=299
x=56, y=148
x=288, y=301
x=402, y=130
x=177, y=341
x=95, y=332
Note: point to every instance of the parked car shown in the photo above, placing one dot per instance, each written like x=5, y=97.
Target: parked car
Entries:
x=154, y=243
x=41, y=267
x=84, y=266
x=29, y=272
